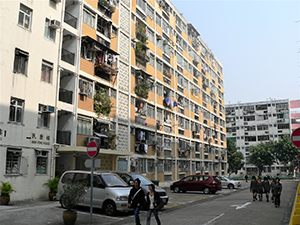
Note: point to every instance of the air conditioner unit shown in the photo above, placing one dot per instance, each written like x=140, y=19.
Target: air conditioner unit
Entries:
x=48, y=109
x=55, y=24
x=83, y=91
x=95, y=139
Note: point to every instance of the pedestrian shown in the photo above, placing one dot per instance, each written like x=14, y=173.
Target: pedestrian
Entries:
x=260, y=189
x=277, y=192
x=272, y=189
x=246, y=178
x=266, y=186
x=136, y=199
x=253, y=188
x=153, y=201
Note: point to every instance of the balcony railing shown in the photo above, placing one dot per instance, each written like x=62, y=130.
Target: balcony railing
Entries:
x=103, y=30
x=65, y=96
x=64, y=137
x=70, y=19
x=68, y=56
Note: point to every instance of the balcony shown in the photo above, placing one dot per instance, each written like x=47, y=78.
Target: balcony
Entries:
x=65, y=96
x=70, y=19
x=141, y=52
x=64, y=137
x=167, y=73
x=104, y=27
x=105, y=70
x=68, y=56
x=106, y=4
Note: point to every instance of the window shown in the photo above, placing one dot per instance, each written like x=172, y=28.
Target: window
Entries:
x=84, y=126
x=160, y=166
x=159, y=42
x=43, y=117
x=150, y=12
x=46, y=72
x=13, y=161
x=41, y=161
x=186, y=125
x=150, y=35
x=25, y=15
x=151, y=61
x=150, y=166
x=16, y=110
x=49, y=32
x=141, y=4
x=114, y=30
x=159, y=65
x=159, y=89
x=86, y=88
x=150, y=111
x=88, y=18
x=21, y=61
x=158, y=20
x=141, y=166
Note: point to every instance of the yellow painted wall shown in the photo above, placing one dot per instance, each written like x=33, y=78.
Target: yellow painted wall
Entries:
x=87, y=66
x=93, y=3
x=115, y=16
x=150, y=122
x=85, y=103
x=88, y=31
x=150, y=22
x=81, y=140
x=114, y=42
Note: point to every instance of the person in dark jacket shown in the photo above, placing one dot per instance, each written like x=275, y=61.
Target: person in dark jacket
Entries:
x=277, y=192
x=253, y=188
x=246, y=178
x=266, y=186
x=260, y=189
x=272, y=189
x=136, y=199
x=153, y=200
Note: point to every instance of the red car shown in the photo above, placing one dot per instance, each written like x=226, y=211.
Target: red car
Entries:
x=206, y=183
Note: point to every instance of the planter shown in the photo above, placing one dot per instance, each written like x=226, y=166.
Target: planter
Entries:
x=4, y=199
x=51, y=195
x=69, y=217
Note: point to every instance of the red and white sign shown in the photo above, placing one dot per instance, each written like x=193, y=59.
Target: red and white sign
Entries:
x=92, y=149
x=296, y=137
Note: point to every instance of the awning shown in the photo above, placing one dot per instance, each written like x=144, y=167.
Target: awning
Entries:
x=103, y=121
x=82, y=150
x=98, y=44
x=100, y=135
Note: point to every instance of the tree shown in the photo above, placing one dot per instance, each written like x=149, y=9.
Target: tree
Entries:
x=262, y=155
x=285, y=151
x=234, y=157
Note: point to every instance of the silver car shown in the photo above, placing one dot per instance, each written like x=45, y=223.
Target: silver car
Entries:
x=110, y=192
x=227, y=183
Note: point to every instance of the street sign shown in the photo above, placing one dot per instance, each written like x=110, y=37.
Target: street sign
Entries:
x=88, y=163
x=92, y=149
x=296, y=137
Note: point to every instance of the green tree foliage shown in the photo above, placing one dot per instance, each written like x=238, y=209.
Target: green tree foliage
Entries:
x=102, y=103
x=262, y=155
x=285, y=151
x=142, y=88
x=234, y=157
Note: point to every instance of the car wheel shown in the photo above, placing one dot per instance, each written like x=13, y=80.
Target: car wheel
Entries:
x=176, y=189
x=110, y=208
x=206, y=190
x=230, y=186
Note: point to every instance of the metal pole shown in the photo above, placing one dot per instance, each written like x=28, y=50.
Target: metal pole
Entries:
x=92, y=181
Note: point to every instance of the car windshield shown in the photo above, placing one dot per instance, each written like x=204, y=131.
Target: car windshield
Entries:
x=113, y=180
x=144, y=180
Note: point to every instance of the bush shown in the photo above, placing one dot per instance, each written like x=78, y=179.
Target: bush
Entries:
x=52, y=184
x=73, y=193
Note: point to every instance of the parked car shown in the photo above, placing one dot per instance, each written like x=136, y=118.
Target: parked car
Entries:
x=129, y=178
x=110, y=192
x=206, y=183
x=227, y=183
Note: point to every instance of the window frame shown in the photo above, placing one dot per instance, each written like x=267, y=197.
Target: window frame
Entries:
x=20, y=61
x=43, y=117
x=26, y=11
x=10, y=152
x=49, y=32
x=47, y=77
x=19, y=104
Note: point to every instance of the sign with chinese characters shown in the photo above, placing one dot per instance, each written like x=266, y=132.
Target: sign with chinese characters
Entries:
x=40, y=139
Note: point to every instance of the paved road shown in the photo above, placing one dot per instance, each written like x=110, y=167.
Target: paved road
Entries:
x=226, y=207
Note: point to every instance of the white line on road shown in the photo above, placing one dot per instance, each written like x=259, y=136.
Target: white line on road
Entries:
x=214, y=219
x=241, y=206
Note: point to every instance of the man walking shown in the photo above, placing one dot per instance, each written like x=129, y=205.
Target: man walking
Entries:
x=277, y=192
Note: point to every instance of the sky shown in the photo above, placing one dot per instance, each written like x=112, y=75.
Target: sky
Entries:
x=258, y=43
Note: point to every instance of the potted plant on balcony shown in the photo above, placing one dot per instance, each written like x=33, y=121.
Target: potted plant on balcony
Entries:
x=142, y=88
x=72, y=194
x=102, y=103
x=52, y=185
x=6, y=189
x=112, y=140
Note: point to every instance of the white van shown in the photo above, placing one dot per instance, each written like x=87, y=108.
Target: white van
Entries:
x=110, y=192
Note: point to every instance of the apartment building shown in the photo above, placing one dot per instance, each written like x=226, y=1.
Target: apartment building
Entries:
x=30, y=39
x=295, y=114
x=248, y=124
x=133, y=76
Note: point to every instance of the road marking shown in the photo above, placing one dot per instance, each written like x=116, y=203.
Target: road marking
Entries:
x=241, y=206
x=214, y=219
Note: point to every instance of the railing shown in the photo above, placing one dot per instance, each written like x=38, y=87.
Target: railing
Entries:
x=64, y=137
x=65, y=96
x=103, y=30
x=68, y=56
x=70, y=19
